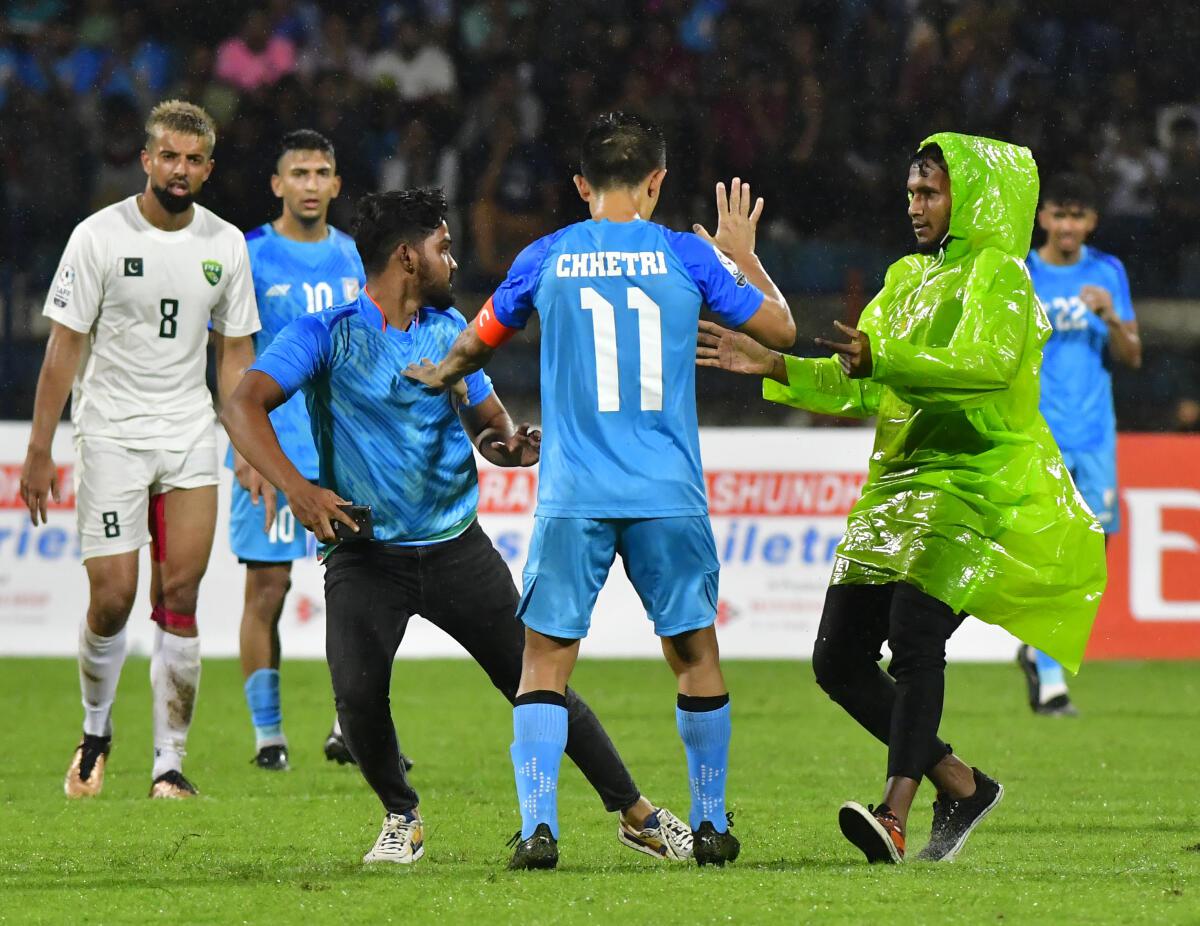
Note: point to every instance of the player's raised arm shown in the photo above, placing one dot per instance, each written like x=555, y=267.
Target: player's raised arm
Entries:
x=738, y=353
x=39, y=477
x=468, y=354
x=502, y=316
x=737, y=226
x=819, y=385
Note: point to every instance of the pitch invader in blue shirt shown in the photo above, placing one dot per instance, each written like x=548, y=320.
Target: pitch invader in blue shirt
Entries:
x=405, y=451
x=300, y=265
x=1086, y=294
x=619, y=298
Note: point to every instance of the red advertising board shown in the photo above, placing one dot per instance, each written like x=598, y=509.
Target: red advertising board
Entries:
x=1151, y=609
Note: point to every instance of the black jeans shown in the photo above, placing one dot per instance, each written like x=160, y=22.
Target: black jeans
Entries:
x=903, y=706
x=463, y=587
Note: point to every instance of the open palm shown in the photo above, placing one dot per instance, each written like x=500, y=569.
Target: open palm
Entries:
x=731, y=350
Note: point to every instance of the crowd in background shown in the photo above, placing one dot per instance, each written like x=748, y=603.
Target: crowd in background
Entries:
x=818, y=102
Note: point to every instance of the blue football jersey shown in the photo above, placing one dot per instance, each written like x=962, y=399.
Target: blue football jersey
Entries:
x=1077, y=398
x=291, y=279
x=383, y=439
x=618, y=304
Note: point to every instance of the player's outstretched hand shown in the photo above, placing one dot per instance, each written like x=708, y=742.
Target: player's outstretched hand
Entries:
x=522, y=448
x=855, y=356
x=317, y=509
x=733, y=351
x=737, y=221
x=426, y=372
x=39, y=483
x=253, y=482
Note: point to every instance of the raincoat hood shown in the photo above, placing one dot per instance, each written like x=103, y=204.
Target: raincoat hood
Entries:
x=994, y=193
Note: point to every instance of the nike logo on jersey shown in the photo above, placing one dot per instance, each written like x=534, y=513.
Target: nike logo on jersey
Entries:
x=279, y=289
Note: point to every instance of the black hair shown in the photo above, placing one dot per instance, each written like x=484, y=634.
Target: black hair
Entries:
x=384, y=220
x=620, y=149
x=305, y=140
x=927, y=158
x=1070, y=190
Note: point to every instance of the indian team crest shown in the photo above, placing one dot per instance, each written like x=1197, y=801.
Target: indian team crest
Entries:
x=349, y=289
x=212, y=271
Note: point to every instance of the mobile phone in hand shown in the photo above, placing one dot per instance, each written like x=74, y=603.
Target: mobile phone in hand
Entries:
x=360, y=515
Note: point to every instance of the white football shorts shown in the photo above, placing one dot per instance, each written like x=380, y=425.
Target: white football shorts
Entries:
x=114, y=487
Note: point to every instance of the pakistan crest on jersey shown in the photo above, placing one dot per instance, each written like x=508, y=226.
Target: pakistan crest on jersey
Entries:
x=212, y=271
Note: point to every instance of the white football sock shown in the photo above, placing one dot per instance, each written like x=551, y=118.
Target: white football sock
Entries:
x=175, y=680
x=100, y=662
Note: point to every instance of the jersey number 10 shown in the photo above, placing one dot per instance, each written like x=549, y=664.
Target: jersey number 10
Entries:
x=604, y=332
x=319, y=297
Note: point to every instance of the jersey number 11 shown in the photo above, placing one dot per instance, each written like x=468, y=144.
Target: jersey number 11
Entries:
x=604, y=332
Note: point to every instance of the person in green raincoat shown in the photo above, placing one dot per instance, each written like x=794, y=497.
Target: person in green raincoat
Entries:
x=967, y=508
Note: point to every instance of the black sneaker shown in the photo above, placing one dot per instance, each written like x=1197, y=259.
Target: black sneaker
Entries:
x=874, y=830
x=337, y=751
x=1028, y=663
x=538, y=851
x=272, y=758
x=1058, y=706
x=954, y=820
x=712, y=848
x=172, y=785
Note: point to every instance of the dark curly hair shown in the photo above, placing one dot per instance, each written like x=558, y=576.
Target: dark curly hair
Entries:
x=384, y=220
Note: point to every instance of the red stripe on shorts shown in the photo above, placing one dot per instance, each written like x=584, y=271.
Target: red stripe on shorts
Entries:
x=158, y=527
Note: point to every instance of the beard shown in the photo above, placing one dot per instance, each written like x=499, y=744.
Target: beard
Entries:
x=171, y=202
x=933, y=245
x=437, y=294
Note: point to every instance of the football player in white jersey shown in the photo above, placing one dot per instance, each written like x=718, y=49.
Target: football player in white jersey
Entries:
x=138, y=286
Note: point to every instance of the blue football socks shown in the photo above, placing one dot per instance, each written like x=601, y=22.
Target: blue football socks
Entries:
x=539, y=738
x=1051, y=678
x=262, y=695
x=705, y=728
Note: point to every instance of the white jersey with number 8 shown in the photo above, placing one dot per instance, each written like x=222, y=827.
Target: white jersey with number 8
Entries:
x=146, y=297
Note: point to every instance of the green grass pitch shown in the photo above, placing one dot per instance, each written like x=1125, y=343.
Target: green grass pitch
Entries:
x=1099, y=823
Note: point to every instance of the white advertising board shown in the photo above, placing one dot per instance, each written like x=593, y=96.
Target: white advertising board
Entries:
x=778, y=499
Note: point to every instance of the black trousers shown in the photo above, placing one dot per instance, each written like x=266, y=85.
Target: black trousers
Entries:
x=463, y=587
x=903, y=706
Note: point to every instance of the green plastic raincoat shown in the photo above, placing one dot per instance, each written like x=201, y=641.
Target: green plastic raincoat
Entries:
x=967, y=497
